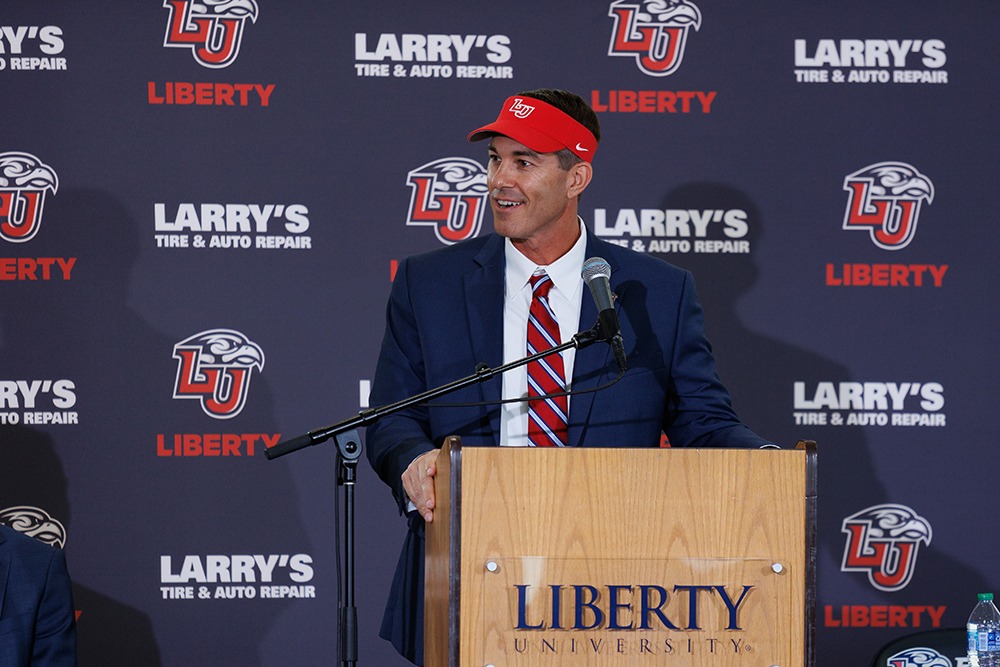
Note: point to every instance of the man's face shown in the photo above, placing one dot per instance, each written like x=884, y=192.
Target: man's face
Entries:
x=532, y=197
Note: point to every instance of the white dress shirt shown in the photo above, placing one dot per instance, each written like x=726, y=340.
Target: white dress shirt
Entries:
x=565, y=299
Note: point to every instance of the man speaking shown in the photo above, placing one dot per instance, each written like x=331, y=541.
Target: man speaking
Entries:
x=500, y=297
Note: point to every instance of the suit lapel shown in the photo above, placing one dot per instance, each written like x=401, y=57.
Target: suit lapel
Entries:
x=484, y=295
x=593, y=364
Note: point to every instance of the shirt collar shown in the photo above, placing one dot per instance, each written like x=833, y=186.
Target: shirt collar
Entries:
x=564, y=272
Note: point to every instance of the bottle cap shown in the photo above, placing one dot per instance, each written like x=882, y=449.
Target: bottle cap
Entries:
x=985, y=596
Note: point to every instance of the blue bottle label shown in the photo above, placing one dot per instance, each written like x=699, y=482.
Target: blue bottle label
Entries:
x=984, y=641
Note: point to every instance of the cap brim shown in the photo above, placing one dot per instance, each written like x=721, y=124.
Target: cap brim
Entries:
x=540, y=127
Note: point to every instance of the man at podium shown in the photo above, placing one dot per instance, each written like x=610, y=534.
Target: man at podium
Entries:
x=500, y=297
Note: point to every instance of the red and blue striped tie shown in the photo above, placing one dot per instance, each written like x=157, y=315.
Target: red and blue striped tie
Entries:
x=546, y=417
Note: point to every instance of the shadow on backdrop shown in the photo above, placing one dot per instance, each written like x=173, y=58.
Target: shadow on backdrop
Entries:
x=131, y=506
x=32, y=477
x=760, y=372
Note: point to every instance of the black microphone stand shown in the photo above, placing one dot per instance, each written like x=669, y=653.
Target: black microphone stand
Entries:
x=345, y=434
x=348, y=453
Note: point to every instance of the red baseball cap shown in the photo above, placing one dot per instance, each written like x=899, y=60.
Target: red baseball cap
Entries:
x=541, y=127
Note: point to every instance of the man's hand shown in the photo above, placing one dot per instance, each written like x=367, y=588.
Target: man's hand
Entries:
x=418, y=482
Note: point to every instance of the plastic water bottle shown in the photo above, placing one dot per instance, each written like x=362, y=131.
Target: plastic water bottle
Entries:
x=984, y=633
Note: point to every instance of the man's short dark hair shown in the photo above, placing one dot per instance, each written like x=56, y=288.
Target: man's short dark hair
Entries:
x=576, y=108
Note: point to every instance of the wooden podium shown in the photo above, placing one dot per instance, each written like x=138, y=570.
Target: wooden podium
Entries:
x=619, y=556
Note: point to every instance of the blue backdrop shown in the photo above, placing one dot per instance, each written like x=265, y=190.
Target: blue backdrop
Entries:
x=202, y=204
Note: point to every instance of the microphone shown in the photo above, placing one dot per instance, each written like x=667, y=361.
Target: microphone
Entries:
x=596, y=273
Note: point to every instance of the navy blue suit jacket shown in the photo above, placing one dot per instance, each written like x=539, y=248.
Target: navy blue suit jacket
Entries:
x=37, y=618
x=445, y=315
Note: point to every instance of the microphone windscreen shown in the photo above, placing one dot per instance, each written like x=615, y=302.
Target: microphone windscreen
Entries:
x=594, y=267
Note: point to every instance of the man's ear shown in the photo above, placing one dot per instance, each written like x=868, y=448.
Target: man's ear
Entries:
x=580, y=175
